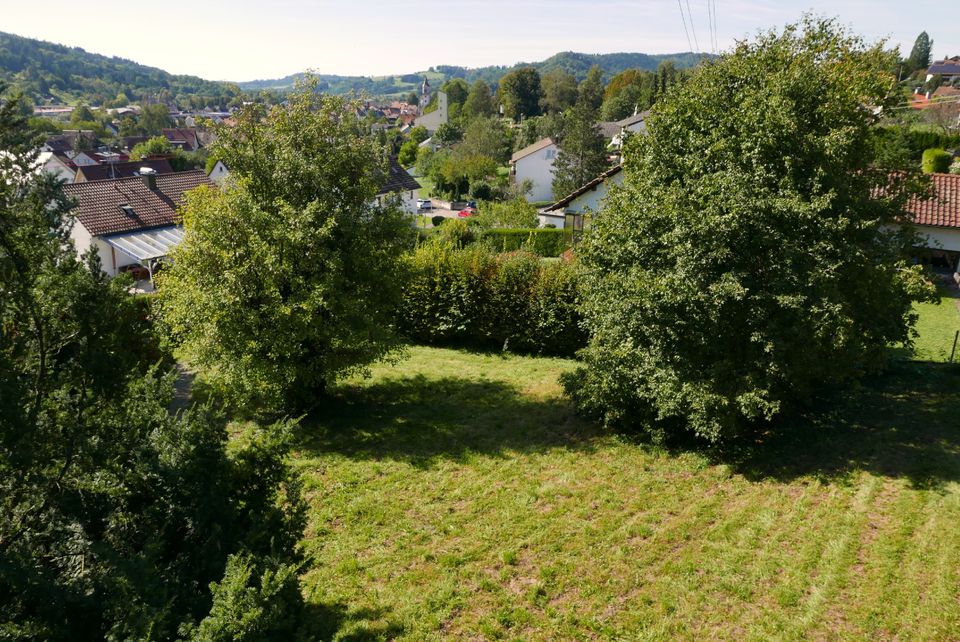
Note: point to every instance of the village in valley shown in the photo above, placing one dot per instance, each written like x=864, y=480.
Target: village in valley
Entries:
x=134, y=223
x=603, y=347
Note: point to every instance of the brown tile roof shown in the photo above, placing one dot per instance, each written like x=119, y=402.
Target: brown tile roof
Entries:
x=531, y=149
x=398, y=180
x=129, y=142
x=121, y=170
x=182, y=137
x=943, y=210
x=99, y=209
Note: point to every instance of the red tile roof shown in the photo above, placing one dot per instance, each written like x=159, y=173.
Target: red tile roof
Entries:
x=100, y=212
x=943, y=210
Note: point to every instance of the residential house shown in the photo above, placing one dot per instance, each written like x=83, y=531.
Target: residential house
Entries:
x=535, y=163
x=400, y=183
x=938, y=221
x=184, y=138
x=631, y=125
x=129, y=142
x=218, y=172
x=573, y=211
x=68, y=140
x=948, y=69
x=131, y=221
x=127, y=169
x=58, y=164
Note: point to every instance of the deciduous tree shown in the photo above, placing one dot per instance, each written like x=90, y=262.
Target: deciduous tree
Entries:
x=519, y=92
x=747, y=261
x=479, y=101
x=286, y=279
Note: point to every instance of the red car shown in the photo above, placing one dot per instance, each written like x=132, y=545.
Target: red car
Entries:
x=467, y=212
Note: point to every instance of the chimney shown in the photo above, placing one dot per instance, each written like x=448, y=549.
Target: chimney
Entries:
x=149, y=176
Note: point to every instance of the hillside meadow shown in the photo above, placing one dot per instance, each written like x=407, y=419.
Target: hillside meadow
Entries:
x=456, y=495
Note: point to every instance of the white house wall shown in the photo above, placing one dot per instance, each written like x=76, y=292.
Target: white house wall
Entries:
x=110, y=258
x=941, y=238
x=538, y=168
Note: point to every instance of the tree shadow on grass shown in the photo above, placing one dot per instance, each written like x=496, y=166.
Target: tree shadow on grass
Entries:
x=422, y=420
x=324, y=621
x=903, y=424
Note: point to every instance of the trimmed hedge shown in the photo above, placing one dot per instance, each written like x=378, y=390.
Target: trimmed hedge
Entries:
x=546, y=242
x=936, y=161
x=477, y=298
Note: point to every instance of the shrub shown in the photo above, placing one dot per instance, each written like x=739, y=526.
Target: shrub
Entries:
x=515, y=213
x=546, y=242
x=437, y=220
x=474, y=297
x=936, y=161
x=457, y=232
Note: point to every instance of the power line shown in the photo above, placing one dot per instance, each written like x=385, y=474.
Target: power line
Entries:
x=693, y=29
x=716, y=36
x=713, y=40
x=684, y=20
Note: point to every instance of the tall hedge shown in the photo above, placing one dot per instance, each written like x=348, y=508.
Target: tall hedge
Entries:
x=547, y=242
x=476, y=297
x=936, y=161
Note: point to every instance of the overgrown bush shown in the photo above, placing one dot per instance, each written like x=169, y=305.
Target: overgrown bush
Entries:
x=546, y=242
x=457, y=232
x=936, y=161
x=515, y=213
x=437, y=220
x=475, y=297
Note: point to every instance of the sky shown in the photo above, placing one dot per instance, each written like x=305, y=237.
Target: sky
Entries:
x=255, y=39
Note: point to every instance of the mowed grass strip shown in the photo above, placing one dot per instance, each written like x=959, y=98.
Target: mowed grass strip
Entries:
x=457, y=496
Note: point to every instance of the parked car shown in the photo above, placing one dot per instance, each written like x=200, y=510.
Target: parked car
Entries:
x=467, y=212
x=424, y=205
x=472, y=204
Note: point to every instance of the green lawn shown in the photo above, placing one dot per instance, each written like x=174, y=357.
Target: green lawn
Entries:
x=937, y=326
x=456, y=496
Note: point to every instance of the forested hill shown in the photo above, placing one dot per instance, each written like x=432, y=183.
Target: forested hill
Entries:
x=45, y=71
x=576, y=63
x=48, y=72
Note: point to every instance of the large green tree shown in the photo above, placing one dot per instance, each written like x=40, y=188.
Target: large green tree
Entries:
x=479, y=101
x=583, y=148
x=748, y=259
x=519, y=92
x=559, y=91
x=920, y=54
x=286, y=279
x=115, y=516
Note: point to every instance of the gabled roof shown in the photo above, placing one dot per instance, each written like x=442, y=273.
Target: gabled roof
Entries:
x=122, y=169
x=633, y=120
x=948, y=67
x=183, y=137
x=943, y=209
x=562, y=203
x=398, y=180
x=129, y=142
x=127, y=204
x=531, y=149
x=609, y=128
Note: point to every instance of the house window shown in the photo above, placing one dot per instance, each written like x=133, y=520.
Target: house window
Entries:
x=126, y=209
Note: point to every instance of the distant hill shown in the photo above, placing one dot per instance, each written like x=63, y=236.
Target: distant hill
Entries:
x=576, y=63
x=45, y=71
x=48, y=72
